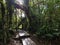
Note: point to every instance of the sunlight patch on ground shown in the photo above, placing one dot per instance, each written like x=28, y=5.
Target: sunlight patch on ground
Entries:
x=28, y=41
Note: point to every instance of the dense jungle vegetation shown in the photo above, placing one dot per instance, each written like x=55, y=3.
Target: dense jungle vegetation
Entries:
x=43, y=19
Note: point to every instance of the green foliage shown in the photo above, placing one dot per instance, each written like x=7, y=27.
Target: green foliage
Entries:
x=45, y=18
x=11, y=18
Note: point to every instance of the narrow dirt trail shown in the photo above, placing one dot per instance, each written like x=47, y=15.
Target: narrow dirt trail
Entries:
x=27, y=41
x=31, y=40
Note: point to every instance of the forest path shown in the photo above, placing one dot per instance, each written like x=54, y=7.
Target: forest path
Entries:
x=26, y=40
